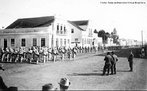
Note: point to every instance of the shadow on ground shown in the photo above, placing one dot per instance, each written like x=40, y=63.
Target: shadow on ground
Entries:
x=85, y=74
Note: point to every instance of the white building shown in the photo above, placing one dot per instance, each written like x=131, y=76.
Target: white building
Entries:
x=47, y=31
x=83, y=34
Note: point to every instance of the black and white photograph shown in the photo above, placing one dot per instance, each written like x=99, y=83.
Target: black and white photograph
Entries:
x=63, y=45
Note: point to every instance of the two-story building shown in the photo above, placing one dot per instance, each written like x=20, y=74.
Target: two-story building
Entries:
x=47, y=31
x=84, y=35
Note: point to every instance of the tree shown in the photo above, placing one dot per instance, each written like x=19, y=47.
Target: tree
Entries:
x=104, y=35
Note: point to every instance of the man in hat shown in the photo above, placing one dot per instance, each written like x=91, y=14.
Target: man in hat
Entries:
x=130, y=60
x=64, y=84
x=48, y=87
x=107, y=65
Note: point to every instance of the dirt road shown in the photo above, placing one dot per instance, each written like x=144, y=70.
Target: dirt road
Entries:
x=84, y=73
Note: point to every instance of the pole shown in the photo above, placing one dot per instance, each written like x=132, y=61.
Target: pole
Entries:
x=142, y=37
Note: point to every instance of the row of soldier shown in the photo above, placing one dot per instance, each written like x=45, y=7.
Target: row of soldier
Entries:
x=40, y=54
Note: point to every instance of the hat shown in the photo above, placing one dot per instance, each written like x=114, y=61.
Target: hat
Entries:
x=47, y=87
x=64, y=82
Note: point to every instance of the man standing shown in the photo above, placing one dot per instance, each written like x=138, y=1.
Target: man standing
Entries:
x=130, y=60
x=113, y=63
x=64, y=84
x=107, y=65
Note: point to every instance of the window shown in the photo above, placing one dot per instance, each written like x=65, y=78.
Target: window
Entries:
x=42, y=42
x=58, y=28
x=72, y=30
x=12, y=42
x=61, y=27
x=23, y=42
x=34, y=41
x=64, y=29
x=57, y=43
x=64, y=42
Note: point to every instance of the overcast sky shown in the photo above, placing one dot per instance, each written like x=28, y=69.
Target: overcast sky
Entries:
x=128, y=19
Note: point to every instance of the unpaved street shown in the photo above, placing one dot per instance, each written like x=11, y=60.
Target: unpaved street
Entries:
x=83, y=73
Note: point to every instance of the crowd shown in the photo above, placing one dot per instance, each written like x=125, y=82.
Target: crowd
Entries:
x=41, y=54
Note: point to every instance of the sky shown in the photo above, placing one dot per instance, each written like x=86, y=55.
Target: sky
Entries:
x=128, y=19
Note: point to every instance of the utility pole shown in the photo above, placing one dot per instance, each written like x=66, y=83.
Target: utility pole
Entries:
x=142, y=37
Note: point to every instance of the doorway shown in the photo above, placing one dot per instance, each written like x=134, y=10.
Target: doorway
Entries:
x=5, y=44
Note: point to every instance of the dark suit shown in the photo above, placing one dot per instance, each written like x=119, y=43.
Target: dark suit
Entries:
x=107, y=65
x=113, y=62
x=130, y=60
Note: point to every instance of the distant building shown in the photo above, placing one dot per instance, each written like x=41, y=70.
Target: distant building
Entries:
x=83, y=34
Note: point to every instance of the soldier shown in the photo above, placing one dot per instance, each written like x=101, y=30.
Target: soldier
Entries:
x=69, y=53
x=45, y=54
x=11, y=54
x=113, y=63
x=36, y=55
x=64, y=84
x=54, y=54
x=49, y=53
x=130, y=60
x=107, y=65
x=2, y=55
x=1, y=67
x=63, y=51
x=74, y=52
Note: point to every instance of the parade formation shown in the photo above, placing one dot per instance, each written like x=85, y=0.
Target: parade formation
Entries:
x=41, y=54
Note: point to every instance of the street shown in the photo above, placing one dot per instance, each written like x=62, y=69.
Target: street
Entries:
x=84, y=73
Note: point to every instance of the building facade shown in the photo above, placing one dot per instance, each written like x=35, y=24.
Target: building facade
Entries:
x=47, y=31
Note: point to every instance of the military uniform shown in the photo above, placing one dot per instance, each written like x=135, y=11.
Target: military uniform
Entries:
x=107, y=65
x=113, y=63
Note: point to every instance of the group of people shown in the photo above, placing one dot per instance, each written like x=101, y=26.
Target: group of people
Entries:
x=35, y=54
x=110, y=63
x=41, y=54
x=63, y=84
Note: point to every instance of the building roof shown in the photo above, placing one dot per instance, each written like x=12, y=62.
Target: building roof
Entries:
x=81, y=22
x=75, y=25
x=32, y=22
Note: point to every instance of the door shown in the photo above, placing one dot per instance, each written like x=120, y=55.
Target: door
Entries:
x=5, y=44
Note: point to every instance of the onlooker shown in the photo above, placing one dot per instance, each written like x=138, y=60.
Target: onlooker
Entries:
x=113, y=63
x=2, y=84
x=130, y=60
x=64, y=84
x=47, y=87
x=107, y=65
